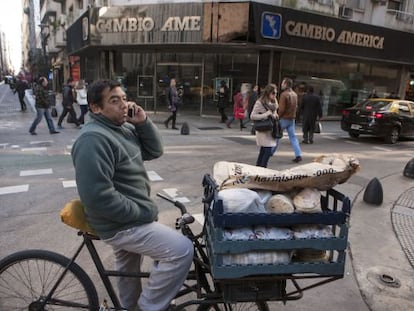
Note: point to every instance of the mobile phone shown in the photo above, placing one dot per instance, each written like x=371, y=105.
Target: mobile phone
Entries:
x=131, y=112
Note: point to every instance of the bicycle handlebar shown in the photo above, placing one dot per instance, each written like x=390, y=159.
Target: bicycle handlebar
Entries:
x=176, y=203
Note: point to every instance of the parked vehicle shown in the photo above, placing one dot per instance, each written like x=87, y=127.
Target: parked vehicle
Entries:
x=381, y=117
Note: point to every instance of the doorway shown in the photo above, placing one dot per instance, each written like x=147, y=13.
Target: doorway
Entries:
x=189, y=78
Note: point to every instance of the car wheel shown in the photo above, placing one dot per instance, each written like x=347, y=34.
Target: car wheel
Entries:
x=354, y=134
x=392, y=136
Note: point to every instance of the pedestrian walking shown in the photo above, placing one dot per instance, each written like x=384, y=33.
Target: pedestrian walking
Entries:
x=20, y=88
x=223, y=100
x=114, y=187
x=238, y=109
x=254, y=95
x=42, y=107
x=173, y=103
x=81, y=99
x=288, y=103
x=311, y=110
x=264, y=108
x=67, y=103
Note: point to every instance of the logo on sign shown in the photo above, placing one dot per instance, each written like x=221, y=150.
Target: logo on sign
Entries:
x=271, y=25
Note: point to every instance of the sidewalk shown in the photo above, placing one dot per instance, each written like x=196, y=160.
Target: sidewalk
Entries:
x=386, y=279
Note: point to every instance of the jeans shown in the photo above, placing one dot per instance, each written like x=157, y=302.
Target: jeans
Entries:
x=84, y=111
x=172, y=254
x=40, y=112
x=264, y=155
x=289, y=125
x=72, y=113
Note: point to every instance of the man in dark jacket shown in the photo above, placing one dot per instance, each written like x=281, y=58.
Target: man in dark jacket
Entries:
x=113, y=185
x=67, y=104
x=311, y=110
x=20, y=88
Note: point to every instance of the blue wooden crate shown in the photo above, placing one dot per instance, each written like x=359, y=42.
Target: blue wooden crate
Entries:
x=336, y=211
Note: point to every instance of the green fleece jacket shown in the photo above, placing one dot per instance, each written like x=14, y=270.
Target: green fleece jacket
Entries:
x=111, y=178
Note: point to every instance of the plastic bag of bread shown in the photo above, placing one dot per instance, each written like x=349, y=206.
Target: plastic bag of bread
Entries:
x=241, y=201
x=308, y=201
x=280, y=203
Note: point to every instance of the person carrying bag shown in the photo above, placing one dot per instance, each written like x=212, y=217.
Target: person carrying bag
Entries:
x=263, y=110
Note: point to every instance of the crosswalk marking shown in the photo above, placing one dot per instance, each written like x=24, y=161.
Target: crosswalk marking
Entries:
x=34, y=149
x=38, y=142
x=69, y=183
x=381, y=148
x=14, y=189
x=153, y=176
x=199, y=218
x=36, y=172
x=173, y=194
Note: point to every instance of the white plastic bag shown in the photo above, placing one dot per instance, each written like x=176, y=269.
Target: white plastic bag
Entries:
x=241, y=201
x=30, y=99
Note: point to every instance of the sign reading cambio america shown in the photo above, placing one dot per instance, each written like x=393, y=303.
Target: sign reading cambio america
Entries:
x=329, y=34
x=145, y=24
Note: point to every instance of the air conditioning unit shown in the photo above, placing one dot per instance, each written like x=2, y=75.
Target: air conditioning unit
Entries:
x=345, y=12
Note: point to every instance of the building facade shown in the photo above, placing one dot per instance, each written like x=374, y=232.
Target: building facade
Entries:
x=343, y=51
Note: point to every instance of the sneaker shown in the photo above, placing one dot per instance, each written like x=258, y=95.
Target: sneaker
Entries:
x=54, y=132
x=175, y=128
x=305, y=142
x=33, y=133
x=60, y=127
x=297, y=159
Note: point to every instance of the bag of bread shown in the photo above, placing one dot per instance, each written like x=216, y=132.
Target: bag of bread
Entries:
x=324, y=173
x=308, y=201
x=280, y=203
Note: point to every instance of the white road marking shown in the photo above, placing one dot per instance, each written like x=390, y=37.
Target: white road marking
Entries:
x=4, y=145
x=34, y=149
x=69, y=183
x=15, y=146
x=199, y=218
x=330, y=137
x=382, y=148
x=173, y=194
x=14, y=189
x=352, y=142
x=41, y=142
x=36, y=172
x=153, y=176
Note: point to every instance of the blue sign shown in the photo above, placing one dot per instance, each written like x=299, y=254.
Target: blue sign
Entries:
x=271, y=25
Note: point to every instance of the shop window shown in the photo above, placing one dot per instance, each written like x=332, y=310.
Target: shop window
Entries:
x=395, y=5
x=355, y=4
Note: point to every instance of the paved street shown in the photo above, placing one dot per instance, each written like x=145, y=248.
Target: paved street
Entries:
x=37, y=178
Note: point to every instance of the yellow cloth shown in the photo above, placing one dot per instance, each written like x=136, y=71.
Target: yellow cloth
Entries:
x=73, y=215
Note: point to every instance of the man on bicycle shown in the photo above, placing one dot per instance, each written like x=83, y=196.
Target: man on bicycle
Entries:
x=113, y=185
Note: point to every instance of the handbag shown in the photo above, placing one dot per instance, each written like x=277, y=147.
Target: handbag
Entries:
x=318, y=127
x=54, y=112
x=277, y=131
x=264, y=125
x=239, y=113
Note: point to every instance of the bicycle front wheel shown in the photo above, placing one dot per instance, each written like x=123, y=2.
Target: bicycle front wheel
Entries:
x=240, y=306
x=27, y=278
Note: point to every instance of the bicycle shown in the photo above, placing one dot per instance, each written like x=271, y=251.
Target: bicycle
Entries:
x=39, y=280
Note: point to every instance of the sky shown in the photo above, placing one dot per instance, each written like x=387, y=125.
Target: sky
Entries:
x=10, y=24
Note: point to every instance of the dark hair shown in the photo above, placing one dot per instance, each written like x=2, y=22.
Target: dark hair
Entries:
x=223, y=83
x=69, y=80
x=96, y=89
x=41, y=80
x=310, y=88
x=288, y=82
x=269, y=89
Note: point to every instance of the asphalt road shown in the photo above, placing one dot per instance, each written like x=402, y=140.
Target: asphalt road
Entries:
x=39, y=168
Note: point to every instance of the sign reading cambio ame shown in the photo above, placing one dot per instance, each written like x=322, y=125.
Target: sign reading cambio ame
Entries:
x=318, y=32
x=136, y=24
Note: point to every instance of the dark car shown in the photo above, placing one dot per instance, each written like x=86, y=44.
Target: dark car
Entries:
x=381, y=117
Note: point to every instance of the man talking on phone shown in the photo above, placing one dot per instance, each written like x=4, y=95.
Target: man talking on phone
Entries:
x=113, y=185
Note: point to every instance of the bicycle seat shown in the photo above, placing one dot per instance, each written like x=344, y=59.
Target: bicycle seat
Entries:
x=73, y=214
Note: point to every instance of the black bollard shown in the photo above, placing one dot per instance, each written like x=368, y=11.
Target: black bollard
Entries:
x=409, y=169
x=185, y=129
x=373, y=192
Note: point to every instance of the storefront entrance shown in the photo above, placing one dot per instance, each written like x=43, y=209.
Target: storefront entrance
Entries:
x=189, y=78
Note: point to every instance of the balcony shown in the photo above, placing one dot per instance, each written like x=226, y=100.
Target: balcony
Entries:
x=49, y=9
x=400, y=20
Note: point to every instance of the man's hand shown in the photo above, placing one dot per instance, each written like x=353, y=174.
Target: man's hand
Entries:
x=139, y=116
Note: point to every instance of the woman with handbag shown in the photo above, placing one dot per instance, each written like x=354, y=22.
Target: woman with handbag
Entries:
x=265, y=110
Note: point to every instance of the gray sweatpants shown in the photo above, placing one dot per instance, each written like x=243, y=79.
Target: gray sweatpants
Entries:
x=172, y=254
